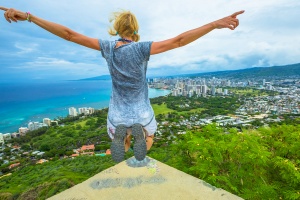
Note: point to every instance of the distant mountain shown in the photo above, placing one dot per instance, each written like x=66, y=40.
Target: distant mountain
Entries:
x=255, y=72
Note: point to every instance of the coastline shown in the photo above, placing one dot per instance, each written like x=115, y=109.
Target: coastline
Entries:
x=19, y=113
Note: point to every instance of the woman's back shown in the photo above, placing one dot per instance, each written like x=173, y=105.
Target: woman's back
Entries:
x=128, y=66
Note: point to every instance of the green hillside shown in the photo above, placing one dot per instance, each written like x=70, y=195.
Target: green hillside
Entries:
x=256, y=72
x=261, y=163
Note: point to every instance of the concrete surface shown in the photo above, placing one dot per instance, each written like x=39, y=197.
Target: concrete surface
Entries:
x=151, y=180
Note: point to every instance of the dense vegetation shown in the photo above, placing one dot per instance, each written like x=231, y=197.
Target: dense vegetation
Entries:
x=43, y=181
x=253, y=164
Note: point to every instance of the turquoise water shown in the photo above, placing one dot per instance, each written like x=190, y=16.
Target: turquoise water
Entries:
x=21, y=103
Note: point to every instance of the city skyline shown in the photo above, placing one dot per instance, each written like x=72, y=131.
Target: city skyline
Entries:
x=267, y=36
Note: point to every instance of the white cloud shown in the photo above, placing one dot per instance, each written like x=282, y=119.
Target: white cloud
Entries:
x=26, y=47
x=268, y=33
x=45, y=67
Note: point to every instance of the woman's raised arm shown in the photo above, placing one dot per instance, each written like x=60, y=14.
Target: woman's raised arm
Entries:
x=57, y=29
x=185, y=38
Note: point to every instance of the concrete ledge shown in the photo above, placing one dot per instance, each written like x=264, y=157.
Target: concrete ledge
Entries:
x=153, y=181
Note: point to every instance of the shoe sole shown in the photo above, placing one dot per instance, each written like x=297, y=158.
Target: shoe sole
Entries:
x=139, y=147
x=117, y=146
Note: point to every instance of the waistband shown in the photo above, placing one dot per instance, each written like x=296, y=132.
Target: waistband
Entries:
x=131, y=126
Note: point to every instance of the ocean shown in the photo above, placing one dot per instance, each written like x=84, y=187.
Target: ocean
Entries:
x=21, y=103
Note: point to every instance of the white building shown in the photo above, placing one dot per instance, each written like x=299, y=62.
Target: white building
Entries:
x=86, y=111
x=91, y=110
x=175, y=92
x=219, y=90
x=225, y=91
x=213, y=90
x=191, y=93
x=47, y=121
x=30, y=126
x=6, y=136
x=204, y=89
x=1, y=139
x=23, y=131
x=35, y=125
x=73, y=112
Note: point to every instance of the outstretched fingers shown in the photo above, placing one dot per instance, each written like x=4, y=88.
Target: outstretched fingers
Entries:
x=237, y=13
x=10, y=14
x=6, y=17
x=3, y=8
x=233, y=21
x=6, y=13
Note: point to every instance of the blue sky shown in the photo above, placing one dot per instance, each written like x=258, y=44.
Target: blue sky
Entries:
x=268, y=35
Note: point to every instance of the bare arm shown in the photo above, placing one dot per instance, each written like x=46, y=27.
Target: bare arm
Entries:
x=56, y=29
x=185, y=38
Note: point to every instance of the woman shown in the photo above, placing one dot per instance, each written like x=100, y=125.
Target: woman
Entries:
x=130, y=112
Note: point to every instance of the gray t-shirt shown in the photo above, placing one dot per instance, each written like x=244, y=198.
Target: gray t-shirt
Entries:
x=129, y=102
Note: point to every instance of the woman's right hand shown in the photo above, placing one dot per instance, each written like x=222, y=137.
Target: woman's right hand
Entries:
x=13, y=15
x=230, y=22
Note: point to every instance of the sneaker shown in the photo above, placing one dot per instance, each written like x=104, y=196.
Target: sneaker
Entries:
x=139, y=147
x=117, y=146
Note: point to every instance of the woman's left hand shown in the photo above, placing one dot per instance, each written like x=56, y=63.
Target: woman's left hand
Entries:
x=13, y=15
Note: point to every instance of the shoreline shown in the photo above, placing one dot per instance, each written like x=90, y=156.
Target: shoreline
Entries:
x=36, y=110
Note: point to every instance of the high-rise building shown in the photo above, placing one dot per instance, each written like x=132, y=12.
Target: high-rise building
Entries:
x=191, y=92
x=47, y=121
x=225, y=91
x=82, y=110
x=73, y=112
x=35, y=125
x=213, y=90
x=175, y=92
x=264, y=82
x=92, y=110
x=31, y=126
x=86, y=111
x=204, y=89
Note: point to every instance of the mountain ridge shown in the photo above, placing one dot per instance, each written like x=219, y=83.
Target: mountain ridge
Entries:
x=253, y=72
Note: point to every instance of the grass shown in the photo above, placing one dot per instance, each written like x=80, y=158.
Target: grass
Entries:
x=191, y=111
x=161, y=109
x=83, y=122
x=247, y=91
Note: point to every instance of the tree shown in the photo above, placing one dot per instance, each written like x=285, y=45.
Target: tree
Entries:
x=45, y=147
x=25, y=147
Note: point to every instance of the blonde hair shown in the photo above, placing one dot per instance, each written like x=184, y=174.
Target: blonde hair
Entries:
x=125, y=25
